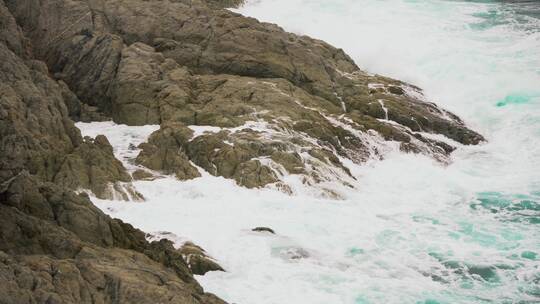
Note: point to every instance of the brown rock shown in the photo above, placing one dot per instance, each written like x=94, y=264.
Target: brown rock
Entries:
x=140, y=174
x=57, y=246
x=197, y=259
x=263, y=229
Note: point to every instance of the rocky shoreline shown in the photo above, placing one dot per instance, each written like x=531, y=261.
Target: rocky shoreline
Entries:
x=234, y=97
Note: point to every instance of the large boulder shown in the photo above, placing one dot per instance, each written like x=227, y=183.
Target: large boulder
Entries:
x=92, y=166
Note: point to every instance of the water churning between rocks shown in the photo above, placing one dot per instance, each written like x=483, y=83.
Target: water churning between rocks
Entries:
x=413, y=230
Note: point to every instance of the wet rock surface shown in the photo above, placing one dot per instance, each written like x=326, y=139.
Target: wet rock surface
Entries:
x=198, y=260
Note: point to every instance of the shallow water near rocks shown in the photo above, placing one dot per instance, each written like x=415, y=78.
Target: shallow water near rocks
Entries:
x=413, y=231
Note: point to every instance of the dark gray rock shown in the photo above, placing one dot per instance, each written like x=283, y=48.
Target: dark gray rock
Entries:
x=263, y=229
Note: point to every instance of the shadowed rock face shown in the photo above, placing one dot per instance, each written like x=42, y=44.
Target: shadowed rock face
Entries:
x=39, y=136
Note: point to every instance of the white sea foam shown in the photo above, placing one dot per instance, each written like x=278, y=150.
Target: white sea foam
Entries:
x=124, y=139
x=380, y=244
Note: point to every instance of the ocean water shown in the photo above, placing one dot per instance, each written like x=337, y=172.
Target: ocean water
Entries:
x=413, y=231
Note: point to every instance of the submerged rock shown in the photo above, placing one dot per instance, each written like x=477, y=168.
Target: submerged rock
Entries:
x=263, y=229
x=530, y=255
x=197, y=259
x=184, y=63
x=165, y=152
x=487, y=273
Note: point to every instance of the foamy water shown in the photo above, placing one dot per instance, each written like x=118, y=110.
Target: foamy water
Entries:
x=413, y=231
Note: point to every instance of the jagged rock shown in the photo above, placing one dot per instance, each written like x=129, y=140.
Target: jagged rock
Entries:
x=165, y=152
x=93, y=166
x=77, y=110
x=140, y=174
x=139, y=78
x=197, y=259
x=72, y=102
x=10, y=33
x=57, y=246
x=237, y=162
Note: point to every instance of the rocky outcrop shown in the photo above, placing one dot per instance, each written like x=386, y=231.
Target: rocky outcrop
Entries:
x=92, y=166
x=192, y=63
x=198, y=260
x=234, y=97
x=56, y=247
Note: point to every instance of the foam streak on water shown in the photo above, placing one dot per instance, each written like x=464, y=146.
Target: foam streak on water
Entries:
x=414, y=231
